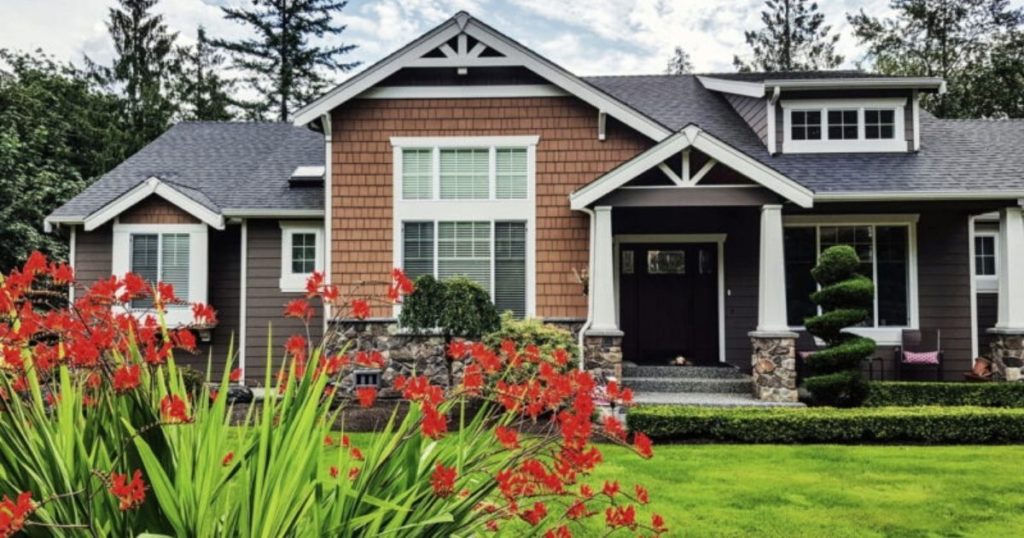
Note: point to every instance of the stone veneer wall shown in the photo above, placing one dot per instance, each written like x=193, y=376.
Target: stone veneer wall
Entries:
x=774, y=366
x=1007, y=355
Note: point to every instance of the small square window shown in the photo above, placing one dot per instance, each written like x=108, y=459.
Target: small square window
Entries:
x=805, y=125
x=880, y=124
x=842, y=124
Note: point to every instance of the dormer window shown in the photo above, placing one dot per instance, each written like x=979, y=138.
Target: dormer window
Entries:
x=844, y=125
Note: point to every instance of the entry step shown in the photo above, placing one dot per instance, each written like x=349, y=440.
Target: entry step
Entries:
x=691, y=372
x=705, y=399
x=740, y=385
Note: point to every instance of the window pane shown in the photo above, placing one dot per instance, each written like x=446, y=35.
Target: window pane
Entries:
x=666, y=262
x=985, y=256
x=465, y=174
x=175, y=263
x=800, y=258
x=891, y=287
x=418, y=249
x=464, y=248
x=842, y=124
x=144, y=259
x=880, y=124
x=417, y=174
x=510, y=267
x=303, y=253
x=806, y=125
x=510, y=172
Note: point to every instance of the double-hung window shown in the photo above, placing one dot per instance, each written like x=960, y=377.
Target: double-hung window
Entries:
x=844, y=125
x=885, y=251
x=465, y=207
x=170, y=253
x=985, y=262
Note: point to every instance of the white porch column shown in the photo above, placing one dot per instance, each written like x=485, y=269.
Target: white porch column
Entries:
x=771, y=288
x=1011, y=270
x=602, y=278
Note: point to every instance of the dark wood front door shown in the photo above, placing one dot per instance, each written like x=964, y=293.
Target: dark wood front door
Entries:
x=668, y=301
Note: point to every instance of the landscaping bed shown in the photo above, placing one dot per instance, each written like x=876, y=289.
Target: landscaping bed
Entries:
x=916, y=425
x=900, y=393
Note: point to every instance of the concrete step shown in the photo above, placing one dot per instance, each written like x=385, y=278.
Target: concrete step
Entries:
x=704, y=399
x=692, y=372
x=686, y=384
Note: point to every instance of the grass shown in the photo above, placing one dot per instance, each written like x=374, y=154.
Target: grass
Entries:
x=826, y=490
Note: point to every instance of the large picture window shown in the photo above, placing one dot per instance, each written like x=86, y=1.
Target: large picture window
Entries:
x=884, y=252
x=484, y=172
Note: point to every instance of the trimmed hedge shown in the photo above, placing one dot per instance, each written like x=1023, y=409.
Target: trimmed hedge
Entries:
x=918, y=425
x=896, y=393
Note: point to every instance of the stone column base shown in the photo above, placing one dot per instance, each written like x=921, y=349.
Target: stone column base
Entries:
x=774, y=365
x=602, y=354
x=1007, y=354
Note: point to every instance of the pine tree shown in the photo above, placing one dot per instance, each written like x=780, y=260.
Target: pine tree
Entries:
x=975, y=45
x=794, y=38
x=142, y=67
x=284, y=67
x=200, y=91
x=679, y=63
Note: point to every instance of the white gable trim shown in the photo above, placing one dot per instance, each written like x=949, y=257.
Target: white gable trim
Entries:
x=693, y=137
x=514, y=54
x=143, y=190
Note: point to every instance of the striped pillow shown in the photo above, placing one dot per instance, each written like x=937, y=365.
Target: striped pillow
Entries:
x=924, y=357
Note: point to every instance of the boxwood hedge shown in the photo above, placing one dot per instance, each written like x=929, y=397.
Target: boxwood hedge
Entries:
x=894, y=393
x=917, y=425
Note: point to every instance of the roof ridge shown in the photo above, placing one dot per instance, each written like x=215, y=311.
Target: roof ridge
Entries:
x=642, y=75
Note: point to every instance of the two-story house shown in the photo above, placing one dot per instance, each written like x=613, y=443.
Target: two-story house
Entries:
x=694, y=204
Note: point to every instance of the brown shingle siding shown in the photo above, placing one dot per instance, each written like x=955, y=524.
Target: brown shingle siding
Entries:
x=156, y=210
x=569, y=156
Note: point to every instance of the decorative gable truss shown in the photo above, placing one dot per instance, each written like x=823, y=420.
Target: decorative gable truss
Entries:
x=685, y=178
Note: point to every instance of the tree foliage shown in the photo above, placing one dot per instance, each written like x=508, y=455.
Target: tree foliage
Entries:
x=794, y=38
x=977, y=46
x=282, y=63
x=680, y=63
x=58, y=130
x=200, y=90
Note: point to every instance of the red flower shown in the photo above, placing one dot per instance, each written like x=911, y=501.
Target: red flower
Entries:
x=184, y=339
x=443, y=480
x=227, y=459
x=356, y=453
x=313, y=284
x=131, y=494
x=561, y=356
x=14, y=513
x=204, y=314
x=434, y=424
x=642, y=496
x=610, y=488
x=658, y=523
x=534, y=515
x=334, y=472
x=620, y=516
x=360, y=309
x=614, y=428
x=643, y=444
x=366, y=395
x=353, y=473
x=61, y=273
x=299, y=309
x=165, y=294
x=296, y=347
x=235, y=376
x=328, y=441
x=457, y=349
x=173, y=410
x=472, y=379
x=560, y=532
x=132, y=287
x=508, y=437
x=35, y=264
x=126, y=378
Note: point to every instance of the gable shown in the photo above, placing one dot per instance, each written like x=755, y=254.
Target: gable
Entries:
x=156, y=210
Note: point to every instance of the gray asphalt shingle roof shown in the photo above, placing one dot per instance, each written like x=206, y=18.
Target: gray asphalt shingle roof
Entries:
x=955, y=156
x=221, y=165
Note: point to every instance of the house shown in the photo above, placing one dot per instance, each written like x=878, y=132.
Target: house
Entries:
x=696, y=204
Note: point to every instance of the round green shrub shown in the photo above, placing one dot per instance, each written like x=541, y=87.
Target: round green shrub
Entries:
x=532, y=331
x=836, y=264
x=421, y=309
x=454, y=307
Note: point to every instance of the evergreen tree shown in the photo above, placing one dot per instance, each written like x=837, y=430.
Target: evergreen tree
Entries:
x=142, y=69
x=200, y=91
x=975, y=45
x=286, y=69
x=679, y=63
x=794, y=38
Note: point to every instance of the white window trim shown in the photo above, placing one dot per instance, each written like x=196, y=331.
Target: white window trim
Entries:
x=986, y=283
x=858, y=145
x=476, y=210
x=198, y=260
x=291, y=282
x=889, y=335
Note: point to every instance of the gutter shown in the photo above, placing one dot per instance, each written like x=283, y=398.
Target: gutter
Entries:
x=590, y=291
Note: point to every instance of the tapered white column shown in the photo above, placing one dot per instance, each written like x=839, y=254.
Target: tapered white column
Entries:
x=602, y=278
x=771, y=288
x=1011, y=270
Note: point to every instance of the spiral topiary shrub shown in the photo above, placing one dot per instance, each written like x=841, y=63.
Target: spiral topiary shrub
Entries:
x=844, y=298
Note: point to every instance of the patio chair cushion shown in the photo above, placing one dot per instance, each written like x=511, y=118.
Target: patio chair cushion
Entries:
x=804, y=354
x=922, y=357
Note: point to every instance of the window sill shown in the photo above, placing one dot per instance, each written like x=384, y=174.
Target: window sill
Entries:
x=845, y=146
x=293, y=283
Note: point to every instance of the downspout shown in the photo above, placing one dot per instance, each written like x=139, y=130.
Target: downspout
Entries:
x=590, y=290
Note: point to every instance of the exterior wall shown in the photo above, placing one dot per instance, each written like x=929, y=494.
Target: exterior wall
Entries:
x=988, y=304
x=569, y=155
x=93, y=256
x=156, y=210
x=754, y=111
x=265, y=302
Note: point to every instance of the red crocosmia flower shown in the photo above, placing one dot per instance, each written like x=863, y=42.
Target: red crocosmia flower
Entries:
x=612, y=389
x=360, y=308
x=313, y=284
x=61, y=273
x=536, y=514
x=184, y=339
x=620, y=516
x=560, y=532
x=334, y=471
x=328, y=441
x=353, y=473
x=13, y=513
x=132, y=287
x=228, y=458
x=443, y=480
x=235, y=376
x=610, y=488
x=658, y=523
x=434, y=424
x=356, y=453
x=330, y=294
x=367, y=396
x=296, y=347
x=642, y=496
x=20, y=384
x=614, y=428
x=643, y=444
x=126, y=378
x=165, y=291
x=131, y=494
x=508, y=437
x=213, y=395
x=173, y=409
x=457, y=350
x=626, y=396
x=299, y=309
x=586, y=491
x=472, y=379
x=204, y=314
x=35, y=264
x=561, y=356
